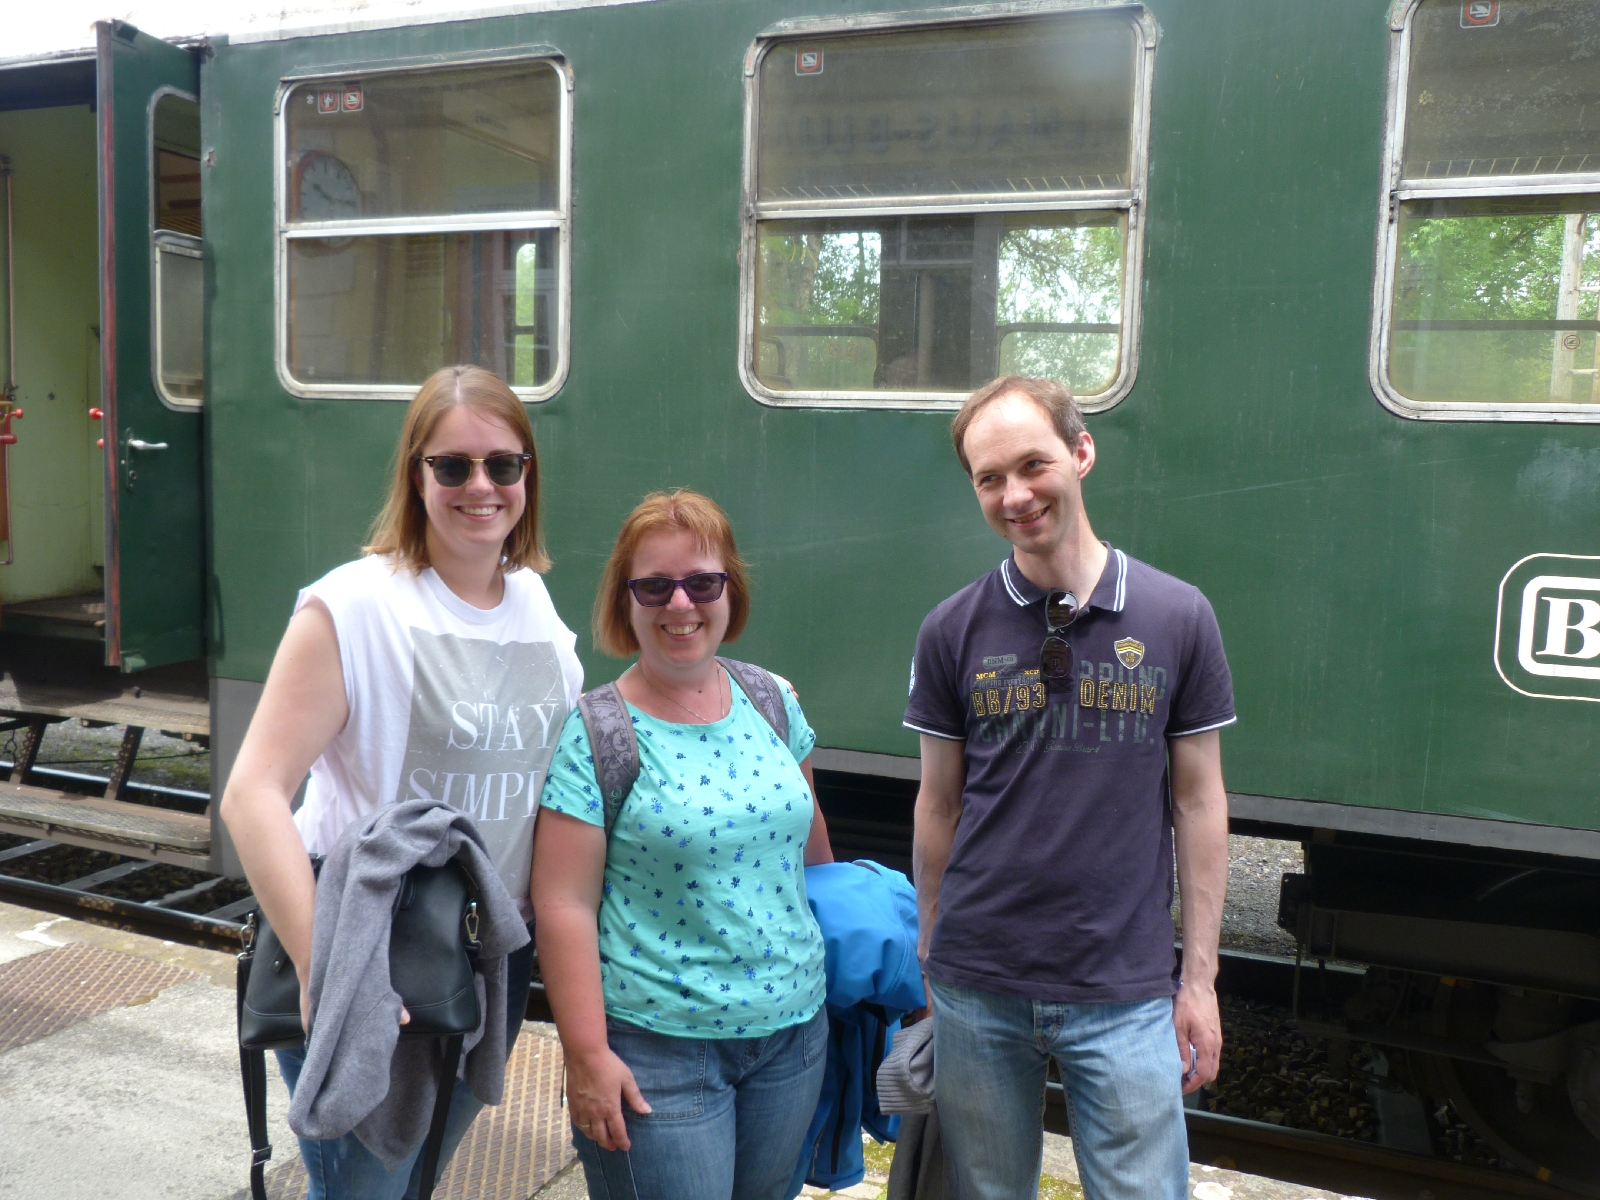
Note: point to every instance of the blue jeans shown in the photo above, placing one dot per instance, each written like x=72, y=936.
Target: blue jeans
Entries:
x=1122, y=1073
x=727, y=1115
x=344, y=1169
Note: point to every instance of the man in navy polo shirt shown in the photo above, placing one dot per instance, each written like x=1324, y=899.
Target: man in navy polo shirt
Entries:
x=1069, y=703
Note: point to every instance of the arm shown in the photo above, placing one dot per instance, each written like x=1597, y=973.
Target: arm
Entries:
x=1200, y=831
x=944, y=773
x=818, y=848
x=569, y=865
x=302, y=708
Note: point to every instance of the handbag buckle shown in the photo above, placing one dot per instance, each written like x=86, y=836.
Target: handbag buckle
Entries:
x=247, y=934
x=471, y=920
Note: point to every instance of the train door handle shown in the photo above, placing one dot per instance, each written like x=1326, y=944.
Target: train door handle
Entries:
x=139, y=444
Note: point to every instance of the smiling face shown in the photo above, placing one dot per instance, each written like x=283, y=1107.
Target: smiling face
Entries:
x=1029, y=482
x=474, y=519
x=680, y=632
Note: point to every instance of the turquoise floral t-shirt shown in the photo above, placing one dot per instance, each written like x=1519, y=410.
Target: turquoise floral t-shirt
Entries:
x=704, y=927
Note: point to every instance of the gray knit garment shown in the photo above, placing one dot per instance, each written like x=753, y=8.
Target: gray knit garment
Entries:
x=359, y=1074
x=905, y=1076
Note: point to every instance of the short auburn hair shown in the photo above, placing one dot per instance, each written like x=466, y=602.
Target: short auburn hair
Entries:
x=657, y=513
x=1054, y=398
x=401, y=528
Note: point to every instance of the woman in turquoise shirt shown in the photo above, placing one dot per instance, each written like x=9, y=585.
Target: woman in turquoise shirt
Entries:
x=690, y=1008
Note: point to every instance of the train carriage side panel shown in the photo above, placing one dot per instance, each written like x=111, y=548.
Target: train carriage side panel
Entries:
x=1353, y=556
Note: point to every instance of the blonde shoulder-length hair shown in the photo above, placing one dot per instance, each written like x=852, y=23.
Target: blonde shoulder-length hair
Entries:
x=401, y=528
x=679, y=509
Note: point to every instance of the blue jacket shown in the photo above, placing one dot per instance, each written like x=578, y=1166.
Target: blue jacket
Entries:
x=868, y=916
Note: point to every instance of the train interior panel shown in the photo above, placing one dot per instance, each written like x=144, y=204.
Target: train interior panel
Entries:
x=52, y=486
x=99, y=441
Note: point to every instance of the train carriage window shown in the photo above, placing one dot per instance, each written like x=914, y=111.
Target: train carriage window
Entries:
x=1490, y=262
x=177, y=277
x=424, y=222
x=928, y=207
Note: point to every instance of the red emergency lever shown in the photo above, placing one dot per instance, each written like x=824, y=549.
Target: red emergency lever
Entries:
x=7, y=438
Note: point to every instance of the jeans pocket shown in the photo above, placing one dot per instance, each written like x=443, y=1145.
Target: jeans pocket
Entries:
x=814, y=1038
x=670, y=1072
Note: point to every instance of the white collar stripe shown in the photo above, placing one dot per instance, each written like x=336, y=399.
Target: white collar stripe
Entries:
x=1122, y=581
x=1011, y=588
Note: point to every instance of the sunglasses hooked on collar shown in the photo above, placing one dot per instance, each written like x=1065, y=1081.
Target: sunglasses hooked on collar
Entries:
x=1055, y=655
x=453, y=470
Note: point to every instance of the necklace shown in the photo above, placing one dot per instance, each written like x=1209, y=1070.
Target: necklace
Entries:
x=670, y=700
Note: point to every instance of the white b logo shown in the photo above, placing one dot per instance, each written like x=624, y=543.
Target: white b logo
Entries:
x=1548, y=640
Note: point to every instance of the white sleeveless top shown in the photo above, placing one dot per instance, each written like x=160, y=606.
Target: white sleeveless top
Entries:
x=446, y=701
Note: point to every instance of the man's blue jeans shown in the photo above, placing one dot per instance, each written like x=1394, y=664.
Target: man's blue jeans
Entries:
x=343, y=1169
x=1124, y=1094
x=727, y=1114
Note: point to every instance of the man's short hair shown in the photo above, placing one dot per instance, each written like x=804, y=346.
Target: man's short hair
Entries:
x=1053, y=397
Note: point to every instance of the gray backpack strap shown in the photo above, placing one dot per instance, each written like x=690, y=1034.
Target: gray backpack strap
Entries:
x=614, y=745
x=765, y=692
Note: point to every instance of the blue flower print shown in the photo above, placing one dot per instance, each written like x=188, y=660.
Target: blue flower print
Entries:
x=663, y=969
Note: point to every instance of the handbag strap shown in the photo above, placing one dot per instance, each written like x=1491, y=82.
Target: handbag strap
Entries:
x=441, y=1112
x=253, y=1070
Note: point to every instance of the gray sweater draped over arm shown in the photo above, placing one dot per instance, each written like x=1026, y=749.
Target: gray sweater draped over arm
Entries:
x=359, y=1074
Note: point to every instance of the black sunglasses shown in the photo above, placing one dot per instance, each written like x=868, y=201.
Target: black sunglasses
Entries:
x=453, y=470
x=1055, y=656
x=652, y=591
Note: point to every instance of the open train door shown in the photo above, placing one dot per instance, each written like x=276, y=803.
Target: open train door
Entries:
x=151, y=382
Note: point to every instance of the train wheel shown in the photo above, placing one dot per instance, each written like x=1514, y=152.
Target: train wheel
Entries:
x=1548, y=1124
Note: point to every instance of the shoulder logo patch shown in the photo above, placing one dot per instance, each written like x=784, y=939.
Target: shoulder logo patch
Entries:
x=1130, y=651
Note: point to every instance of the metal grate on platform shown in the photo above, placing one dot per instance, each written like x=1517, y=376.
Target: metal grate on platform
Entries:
x=511, y=1150
x=47, y=992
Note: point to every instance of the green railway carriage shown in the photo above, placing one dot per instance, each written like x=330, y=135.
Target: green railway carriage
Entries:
x=1324, y=276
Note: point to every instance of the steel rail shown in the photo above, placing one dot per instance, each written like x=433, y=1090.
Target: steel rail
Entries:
x=1346, y=1165
x=131, y=915
x=153, y=789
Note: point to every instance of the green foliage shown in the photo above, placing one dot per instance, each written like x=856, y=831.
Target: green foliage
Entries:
x=825, y=279
x=1069, y=274
x=1482, y=265
x=820, y=279
x=1488, y=267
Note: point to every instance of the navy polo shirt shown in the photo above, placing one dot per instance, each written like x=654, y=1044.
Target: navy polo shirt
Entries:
x=1059, y=885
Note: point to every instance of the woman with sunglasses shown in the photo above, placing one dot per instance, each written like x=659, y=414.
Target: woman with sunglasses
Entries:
x=433, y=667
x=684, y=969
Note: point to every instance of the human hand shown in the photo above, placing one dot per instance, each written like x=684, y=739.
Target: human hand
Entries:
x=1198, y=1025
x=597, y=1084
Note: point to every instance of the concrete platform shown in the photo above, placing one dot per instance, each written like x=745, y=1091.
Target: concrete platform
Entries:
x=119, y=1077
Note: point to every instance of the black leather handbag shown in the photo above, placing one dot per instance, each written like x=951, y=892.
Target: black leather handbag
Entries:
x=433, y=946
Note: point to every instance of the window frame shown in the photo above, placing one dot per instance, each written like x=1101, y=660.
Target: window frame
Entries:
x=1130, y=200
x=168, y=241
x=559, y=219
x=1127, y=200
x=1393, y=189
